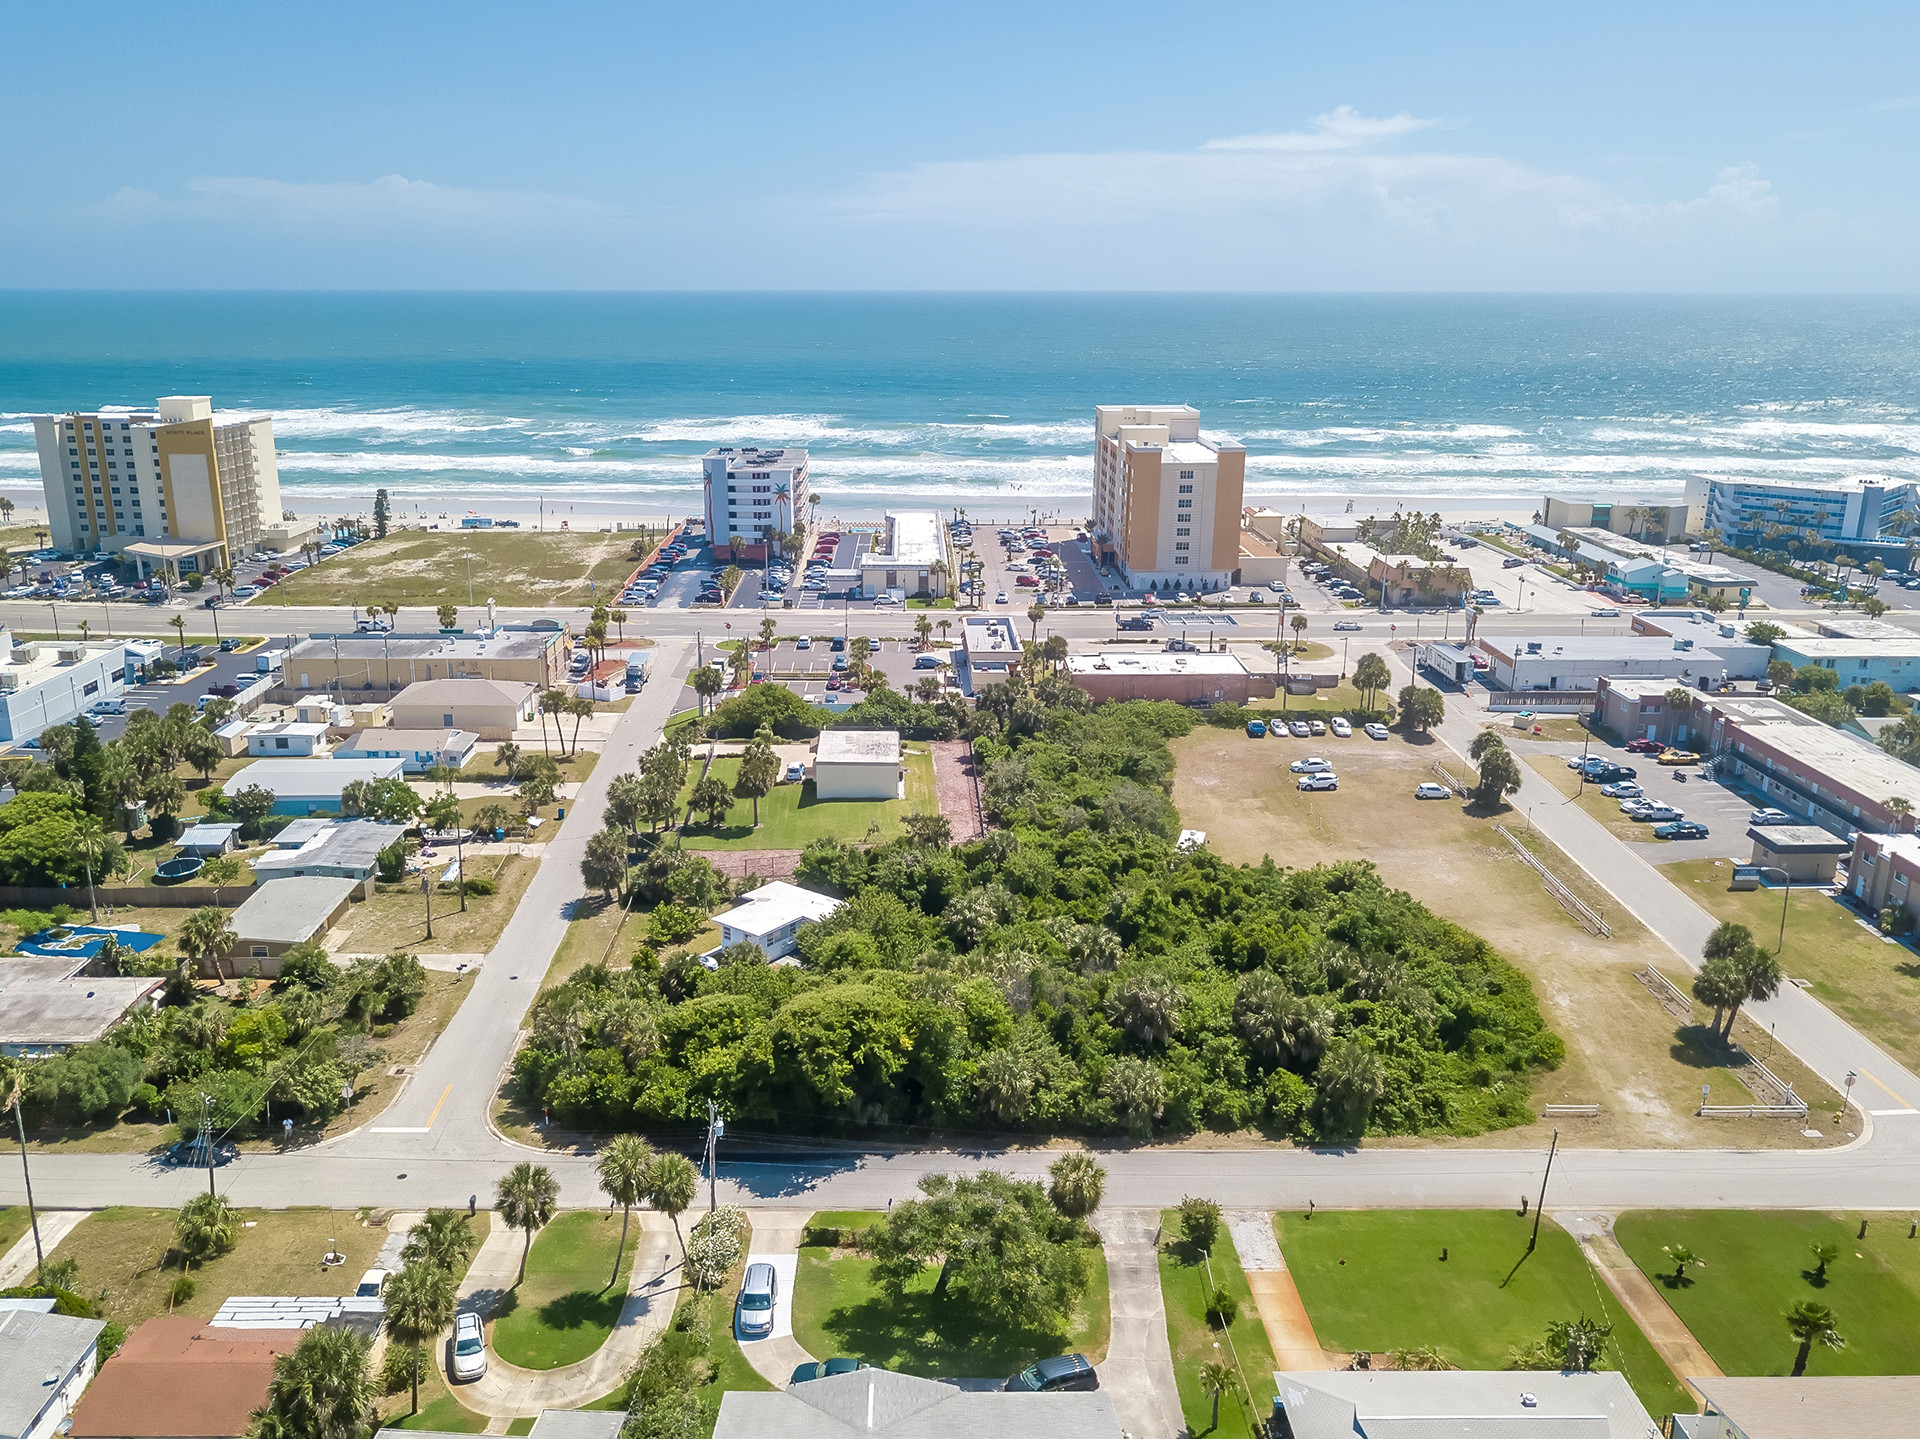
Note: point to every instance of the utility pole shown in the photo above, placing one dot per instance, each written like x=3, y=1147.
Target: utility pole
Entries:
x=1541, y=1207
x=19, y=1128
x=716, y=1127
x=206, y=1135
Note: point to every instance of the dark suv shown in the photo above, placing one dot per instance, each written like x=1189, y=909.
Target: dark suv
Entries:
x=1054, y=1376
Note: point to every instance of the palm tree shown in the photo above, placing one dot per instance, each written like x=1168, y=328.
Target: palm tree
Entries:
x=1036, y=612
x=527, y=1199
x=444, y=814
x=507, y=756
x=1216, y=1377
x=623, y=1170
x=1298, y=624
x=448, y=615
x=1074, y=1185
x=205, y=1226
x=324, y=1389
x=1824, y=1253
x=923, y=630
x=442, y=1238
x=90, y=848
x=419, y=1304
x=670, y=1185
x=707, y=683
x=945, y=627
x=206, y=934
x=1812, y=1323
x=1683, y=1258
x=179, y=623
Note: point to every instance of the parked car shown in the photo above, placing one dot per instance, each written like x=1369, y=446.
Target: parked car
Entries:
x=1653, y=813
x=1298, y=728
x=370, y=1282
x=1678, y=756
x=1512, y=562
x=1624, y=789
x=1376, y=730
x=1256, y=729
x=1346, y=624
x=1681, y=829
x=1644, y=746
x=796, y=772
x=469, y=1348
x=1764, y=817
x=1001, y=598
x=1341, y=727
x=1139, y=623
x=189, y=1152
x=1053, y=1376
x=753, y=1311
x=1324, y=780
x=1603, y=614
x=1428, y=789
x=825, y=1368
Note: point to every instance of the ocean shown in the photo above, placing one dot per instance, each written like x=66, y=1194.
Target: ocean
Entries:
x=598, y=404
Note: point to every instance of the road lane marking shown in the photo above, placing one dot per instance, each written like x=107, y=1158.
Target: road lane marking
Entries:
x=1900, y=1099
x=449, y=1090
x=1881, y=1113
x=396, y=1129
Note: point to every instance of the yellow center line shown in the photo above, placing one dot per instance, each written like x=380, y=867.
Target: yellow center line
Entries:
x=449, y=1090
x=1865, y=1074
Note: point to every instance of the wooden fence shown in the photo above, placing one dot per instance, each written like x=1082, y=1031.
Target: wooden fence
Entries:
x=172, y=896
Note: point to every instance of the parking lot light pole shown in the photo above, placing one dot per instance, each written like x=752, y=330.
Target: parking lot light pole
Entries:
x=1786, y=894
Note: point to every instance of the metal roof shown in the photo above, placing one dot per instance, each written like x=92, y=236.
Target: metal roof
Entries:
x=905, y=1406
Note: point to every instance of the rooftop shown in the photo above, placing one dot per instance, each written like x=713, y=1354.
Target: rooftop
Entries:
x=990, y=632
x=464, y=692
x=32, y=1346
x=1865, y=1406
x=181, y=1377
x=874, y=1402
x=1837, y=649
x=407, y=740
x=1797, y=839
x=750, y=457
x=1897, y=846
x=501, y=645
x=1156, y=662
x=48, y=1003
x=290, y=910
x=1593, y=647
x=916, y=541
x=858, y=746
x=318, y=776
x=1843, y=759
x=1462, y=1404
x=1859, y=627
x=1749, y=711
x=774, y=906
x=290, y=728
x=353, y=844
x=1362, y=557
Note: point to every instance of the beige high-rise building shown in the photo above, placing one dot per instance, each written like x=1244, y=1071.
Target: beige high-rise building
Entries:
x=179, y=484
x=1166, y=501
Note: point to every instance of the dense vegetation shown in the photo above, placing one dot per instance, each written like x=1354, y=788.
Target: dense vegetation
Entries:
x=1069, y=972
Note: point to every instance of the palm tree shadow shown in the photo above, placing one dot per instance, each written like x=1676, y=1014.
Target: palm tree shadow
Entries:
x=1816, y=1279
x=1524, y=1256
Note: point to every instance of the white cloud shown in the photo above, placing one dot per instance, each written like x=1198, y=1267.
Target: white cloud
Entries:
x=392, y=203
x=1341, y=128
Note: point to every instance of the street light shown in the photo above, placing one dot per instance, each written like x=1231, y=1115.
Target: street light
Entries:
x=1786, y=893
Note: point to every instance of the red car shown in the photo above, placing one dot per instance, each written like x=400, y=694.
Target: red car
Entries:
x=1644, y=746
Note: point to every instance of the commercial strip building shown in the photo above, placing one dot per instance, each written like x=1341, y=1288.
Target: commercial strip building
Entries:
x=857, y=764
x=1651, y=524
x=48, y=1005
x=43, y=684
x=177, y=483
x=772, y=917
x=386, y=663
x=1579, y=662
x=754, y=494
x=1895, y=662
x=911, y=558
x=1166, y=500
x=1743, y=659
x=1633, y=570
x=491, y=709
x=1446, y=1404
x=1826, y=776
x=988, y=652
x=1194, y=679
x=1859, y=508
x=46, y=1363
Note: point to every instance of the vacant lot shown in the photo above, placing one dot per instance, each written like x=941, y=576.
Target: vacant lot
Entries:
x=1187, y=1281
x=1461, y=1281
x=128, y=1253
x=1873, y=982
x=1758, y=1265
x=519, y=568
x=792, y=816
x=1624, y=1051
x=396, y=917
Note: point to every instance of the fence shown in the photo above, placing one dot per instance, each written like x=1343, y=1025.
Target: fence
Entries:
x=1666, y=991
x=1573, y=1111
x=1753, y=1111
x=1569, y=901
x=173, y=896
x=1446, y=778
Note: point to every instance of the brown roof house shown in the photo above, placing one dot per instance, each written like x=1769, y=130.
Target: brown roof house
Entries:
x=180, y=1378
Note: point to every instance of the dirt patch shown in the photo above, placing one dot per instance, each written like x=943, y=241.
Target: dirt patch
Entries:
x=956, y=787
x=1624, y=1051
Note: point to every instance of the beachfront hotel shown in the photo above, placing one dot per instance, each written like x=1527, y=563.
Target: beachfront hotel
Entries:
x=755, y=494
x=1166, y=502
x=180, y=485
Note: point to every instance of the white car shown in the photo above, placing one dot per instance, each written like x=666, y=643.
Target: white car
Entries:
x=469, y=1348
x=1326, y=779
x=1427, y=789
x=1340, y=727
x=1311, y=765
x=1376, y=730
x=1346, y=624
x=1651, y=813
x=370, y=1283
x=1315, y=726
x=1001, y=598
x=1624, y=789
x=1604, y=614
x=885, y=600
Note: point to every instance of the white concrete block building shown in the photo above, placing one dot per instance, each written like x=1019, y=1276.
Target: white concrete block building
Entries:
x=857, y=764
x=772, y=917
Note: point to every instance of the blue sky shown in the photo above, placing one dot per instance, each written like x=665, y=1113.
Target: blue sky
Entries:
x=1282, y=146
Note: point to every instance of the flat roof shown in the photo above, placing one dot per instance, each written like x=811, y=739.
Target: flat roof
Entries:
x=407, y=739
x=316, y=775
x=916, y=541
x=1156, y=662
x=1843, y=758
x=501, y=645
x=858, y=746
x=1863, y=1405
x=775, y=905
x=1848, y=627
x=47, y=1001
x=1522, y=1404
x=290, y=910
x=32, y=1346
x=1756, y=711
x=1836, y=649
x=1591, y=647
x=1797, y=839
x=993, y=633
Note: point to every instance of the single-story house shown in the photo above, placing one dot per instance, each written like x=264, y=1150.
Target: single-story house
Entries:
x=207, y=839
x=1829, y=1406
x=181, y=1378
x=771, y=917
x=418, y=750
x=280, y=915
x=51, y=1004
x=232, y=737
x=1516, y=1404
x=1805, y=853
x=491, y=709
x=302, y=786
x=551, y=1424
x=284, y=738
x=346, y=850
x=880, y=1404
x=46, y=1362
x=857, y=764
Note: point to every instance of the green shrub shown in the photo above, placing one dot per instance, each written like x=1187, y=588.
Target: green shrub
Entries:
x=403, y=1367
x=1199, y=1223
x=482, y=884
x=182, y=1290
x=1222, y=1308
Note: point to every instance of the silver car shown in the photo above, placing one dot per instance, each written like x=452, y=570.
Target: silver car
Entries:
x=469, y=1348
x=753, y=1314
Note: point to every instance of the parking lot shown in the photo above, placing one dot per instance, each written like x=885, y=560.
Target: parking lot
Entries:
x=1697, y=795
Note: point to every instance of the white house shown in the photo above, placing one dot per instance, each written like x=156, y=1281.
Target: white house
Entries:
x=418, y=750
x=857, y=764
x=301, y=786
x=1517, y=1404
x=286, y=739
x=46, y=1361
x=771, y=917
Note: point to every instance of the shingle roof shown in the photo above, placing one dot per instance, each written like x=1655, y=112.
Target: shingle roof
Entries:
x=464, y=692
x=1371, y=1404
x=872, y=1402
x=1816, y=1407
x=181, y=1377
x=33, y=1346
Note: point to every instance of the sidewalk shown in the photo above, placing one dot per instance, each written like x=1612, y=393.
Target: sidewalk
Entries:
x=1639, y=1297
x=1138, y=1372
x=19, y=1264
x=1288, y=1325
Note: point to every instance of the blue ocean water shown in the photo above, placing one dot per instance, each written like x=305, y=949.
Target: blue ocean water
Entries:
x=600, y=401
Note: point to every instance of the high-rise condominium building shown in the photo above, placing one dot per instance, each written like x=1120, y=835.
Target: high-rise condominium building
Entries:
x=754, y=493
x=179, y=482
x=1166, y=502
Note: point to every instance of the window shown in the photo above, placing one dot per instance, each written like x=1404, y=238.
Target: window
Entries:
x=259, y=951
x=1183, y=545
x=1179, y=559
x=280, y=742
x=1183, y=531
x=1186, y=504
x=1186, y=475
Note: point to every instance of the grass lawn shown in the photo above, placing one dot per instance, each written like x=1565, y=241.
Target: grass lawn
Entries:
x=13, y=1223
x=395, y=918
x=1758, y=1265
x=566, y=1307
x=1374, y=1280
x=791, y=816
x=125, y=1252
x=439, y=1410
x=1873, y=984
x=593, y=935
x=526, y=567
x=1554, y=769
x=1186, y=1281
x=838, y=1309
x=1342, y=699
x=573, y=766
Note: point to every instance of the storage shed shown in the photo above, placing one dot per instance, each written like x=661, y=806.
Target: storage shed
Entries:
x=857, y=764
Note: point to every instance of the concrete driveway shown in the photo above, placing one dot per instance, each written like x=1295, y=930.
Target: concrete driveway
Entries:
x=1138, y=1371
x=776, y=1241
